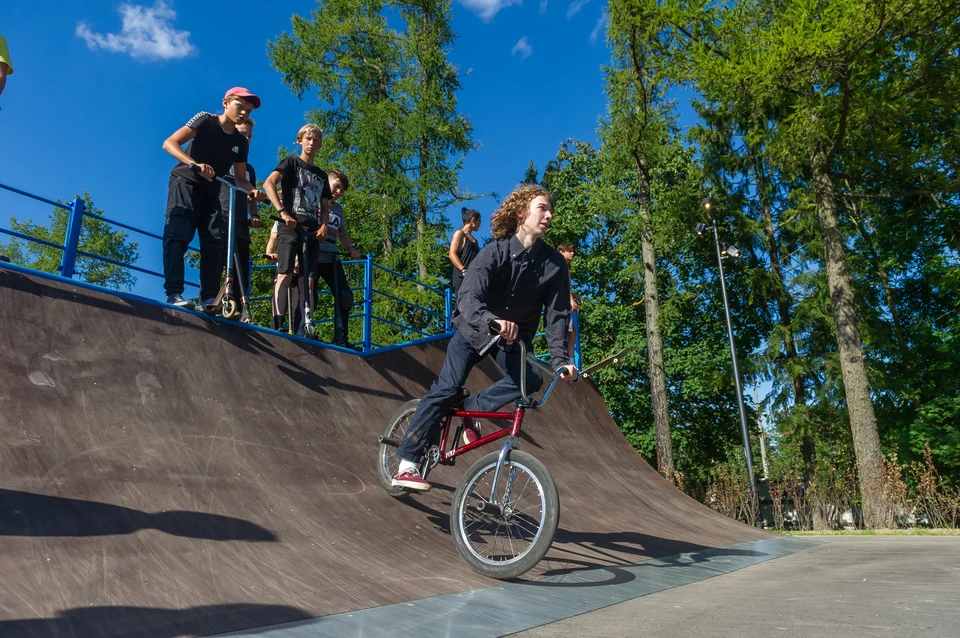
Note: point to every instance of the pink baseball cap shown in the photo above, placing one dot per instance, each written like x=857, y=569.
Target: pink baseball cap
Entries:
x=245, y=93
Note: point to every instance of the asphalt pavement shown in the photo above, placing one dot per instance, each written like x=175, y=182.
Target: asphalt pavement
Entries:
x=848, y=586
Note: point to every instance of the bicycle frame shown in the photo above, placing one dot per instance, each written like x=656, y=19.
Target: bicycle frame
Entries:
x=516, y=416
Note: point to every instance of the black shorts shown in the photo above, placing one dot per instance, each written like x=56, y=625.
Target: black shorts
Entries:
x=290, y=247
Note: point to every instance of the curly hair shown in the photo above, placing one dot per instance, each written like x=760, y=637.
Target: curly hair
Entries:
x=515, y=208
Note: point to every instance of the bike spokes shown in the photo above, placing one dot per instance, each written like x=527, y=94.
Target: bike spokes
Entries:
x=505, y=531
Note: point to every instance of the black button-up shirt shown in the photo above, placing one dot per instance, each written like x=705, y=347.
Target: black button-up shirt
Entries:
x=508, y=281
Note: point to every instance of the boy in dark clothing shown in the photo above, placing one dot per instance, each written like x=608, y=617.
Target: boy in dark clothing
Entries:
x=513, y=280
x=305, y=202
x=193, y=197
x=329, y=266
x=245, y=217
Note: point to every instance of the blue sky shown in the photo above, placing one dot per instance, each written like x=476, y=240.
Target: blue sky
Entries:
x=98, y=86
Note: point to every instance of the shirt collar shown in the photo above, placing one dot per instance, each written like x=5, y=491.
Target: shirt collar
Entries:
x=517, y=250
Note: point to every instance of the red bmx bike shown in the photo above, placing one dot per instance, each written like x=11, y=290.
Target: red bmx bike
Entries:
x=506, y=507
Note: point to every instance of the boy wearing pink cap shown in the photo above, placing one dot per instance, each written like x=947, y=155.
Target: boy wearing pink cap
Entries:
x=193, y=196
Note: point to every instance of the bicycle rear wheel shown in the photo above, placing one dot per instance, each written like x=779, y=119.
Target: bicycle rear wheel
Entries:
x=387, y=459
x=510, y=538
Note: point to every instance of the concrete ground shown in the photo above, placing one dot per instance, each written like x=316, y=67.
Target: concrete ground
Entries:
x=848, y=586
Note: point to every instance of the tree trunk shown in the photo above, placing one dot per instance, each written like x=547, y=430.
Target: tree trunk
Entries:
x=807, y=445
x=658, y=379
x=863, y=421
x=422, y=212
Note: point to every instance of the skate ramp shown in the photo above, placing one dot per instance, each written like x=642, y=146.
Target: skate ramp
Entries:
x=165, y=474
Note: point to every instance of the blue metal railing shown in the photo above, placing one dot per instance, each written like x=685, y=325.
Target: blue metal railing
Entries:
x=71, y=251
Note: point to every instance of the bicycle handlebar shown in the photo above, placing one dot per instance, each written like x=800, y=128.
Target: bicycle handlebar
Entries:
x=556, y=374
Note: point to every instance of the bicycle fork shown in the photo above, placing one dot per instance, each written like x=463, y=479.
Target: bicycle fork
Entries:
x=492, y=506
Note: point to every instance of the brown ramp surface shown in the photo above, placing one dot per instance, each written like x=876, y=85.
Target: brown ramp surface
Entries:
x=167, y=474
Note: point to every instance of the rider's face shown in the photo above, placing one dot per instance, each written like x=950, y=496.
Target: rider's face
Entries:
x=538, y=218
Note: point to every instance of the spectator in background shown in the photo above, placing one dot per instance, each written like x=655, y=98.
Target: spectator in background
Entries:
x=303, y=201
x=329, y=266
x=6, y=66
x=464, y=247
x=245, y=217
x=567, y=251
x=193, y=194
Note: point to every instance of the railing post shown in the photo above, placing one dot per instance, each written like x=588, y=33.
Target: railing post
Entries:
x=576, y=344
x=368, y=304
x=71, y=240
x=449, y=311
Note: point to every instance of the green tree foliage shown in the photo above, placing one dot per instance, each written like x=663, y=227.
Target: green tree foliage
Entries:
x=596, y=211
x=97, y=237
x=390, y=119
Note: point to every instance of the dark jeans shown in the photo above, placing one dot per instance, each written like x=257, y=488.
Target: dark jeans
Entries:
x=193, y=209
x=461, y=357
x=332, y=273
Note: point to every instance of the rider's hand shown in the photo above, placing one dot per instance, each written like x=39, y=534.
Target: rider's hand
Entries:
x=509, y=331
x=256, y=195
x=272, y=256
x=574, y=306
x=288, y=221
x=255, y=222
x=322, y=231
x=568, y=373
x=354, y=253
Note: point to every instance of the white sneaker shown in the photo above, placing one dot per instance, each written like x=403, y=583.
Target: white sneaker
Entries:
x=209, y=306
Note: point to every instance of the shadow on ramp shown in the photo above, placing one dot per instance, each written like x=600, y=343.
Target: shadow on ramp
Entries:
x=588, y=559
x=28, y=514
x=141, y=622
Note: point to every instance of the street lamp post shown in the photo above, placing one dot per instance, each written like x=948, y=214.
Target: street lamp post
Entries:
x=730, y=251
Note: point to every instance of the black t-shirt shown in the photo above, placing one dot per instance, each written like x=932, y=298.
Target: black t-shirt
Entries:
x=302, y=186
x=241, y=206
x=211, y=145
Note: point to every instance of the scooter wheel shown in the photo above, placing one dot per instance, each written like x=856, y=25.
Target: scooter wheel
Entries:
x=229, y=307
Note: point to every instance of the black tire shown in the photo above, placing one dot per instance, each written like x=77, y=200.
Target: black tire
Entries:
x=387, y=459
x=533, y=526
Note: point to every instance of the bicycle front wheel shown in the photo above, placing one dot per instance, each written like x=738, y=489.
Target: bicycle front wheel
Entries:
x=507, y=535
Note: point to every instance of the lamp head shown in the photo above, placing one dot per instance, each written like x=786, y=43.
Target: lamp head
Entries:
x=730, y=251
x=699, y=228
x=707, y=203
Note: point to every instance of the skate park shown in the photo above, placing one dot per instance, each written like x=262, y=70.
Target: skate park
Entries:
x=144, y=496
x=146, y=491
x=741, y=186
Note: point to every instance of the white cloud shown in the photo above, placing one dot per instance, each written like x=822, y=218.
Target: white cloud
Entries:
x=543, y=6
x=598, y=28
x=575, y=7
x=522, y=47
x=486, y=9
x=147, y=33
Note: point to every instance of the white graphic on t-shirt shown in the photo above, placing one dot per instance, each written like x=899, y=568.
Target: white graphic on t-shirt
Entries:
x=307, y=194
x=234, y=175
x=334, y=225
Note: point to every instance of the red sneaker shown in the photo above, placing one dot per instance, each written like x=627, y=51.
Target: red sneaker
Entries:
x=411, y=480
x=471, y=430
